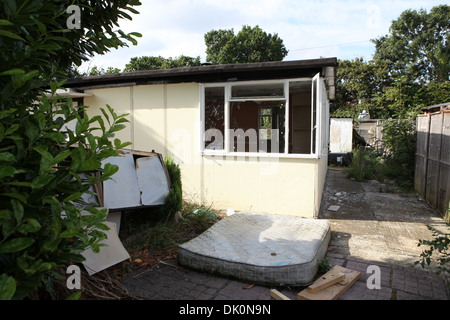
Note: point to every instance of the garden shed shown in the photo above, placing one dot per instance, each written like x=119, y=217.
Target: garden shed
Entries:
x=252, y=137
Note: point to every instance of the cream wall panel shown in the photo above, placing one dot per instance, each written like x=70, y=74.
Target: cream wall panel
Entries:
x=183, y=122
x=192, y=182
x=117, y=98
x=249, y=185
x=183, y=135
x=322, y=168
x=182, y=95
x=149, y=116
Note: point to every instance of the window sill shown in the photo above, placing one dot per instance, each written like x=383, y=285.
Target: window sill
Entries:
x=222, y=153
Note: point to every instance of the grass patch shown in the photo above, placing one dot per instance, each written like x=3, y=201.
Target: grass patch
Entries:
x=149, y=236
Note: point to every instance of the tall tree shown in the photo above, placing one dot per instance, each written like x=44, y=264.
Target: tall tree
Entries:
x=96, y=71
x=409, y=71
x=249, y=45
x=416, y=57
x=357, y=81
x=151, y=63
x=417, y=48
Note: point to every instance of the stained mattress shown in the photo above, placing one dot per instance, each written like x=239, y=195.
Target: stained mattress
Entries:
x=260, y=248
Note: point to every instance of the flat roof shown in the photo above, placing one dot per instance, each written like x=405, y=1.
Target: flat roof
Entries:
x=213, y=73
x=438, y=105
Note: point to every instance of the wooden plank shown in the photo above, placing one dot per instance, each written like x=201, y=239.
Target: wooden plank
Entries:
x=444, y=163
x=422, y=129
x=434, y=156
x=434, y=140
x=420, y=172
x=420, y=175
x=445, y=140
x=277, y=295
x=336, y=290
x=432, y=188
x=327, y=280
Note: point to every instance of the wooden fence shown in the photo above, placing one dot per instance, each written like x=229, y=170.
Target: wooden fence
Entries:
x=432, y=168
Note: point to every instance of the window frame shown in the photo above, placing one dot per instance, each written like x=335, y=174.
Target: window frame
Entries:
x=318, y=137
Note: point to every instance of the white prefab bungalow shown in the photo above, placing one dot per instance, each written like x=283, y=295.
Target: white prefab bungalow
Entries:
x=252, y=137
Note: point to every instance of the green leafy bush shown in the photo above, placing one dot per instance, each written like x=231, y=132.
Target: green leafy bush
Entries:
x=399, y=138
x=45, y=168
x=174, y=200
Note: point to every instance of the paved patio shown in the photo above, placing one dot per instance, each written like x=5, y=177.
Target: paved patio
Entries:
x=370, y=228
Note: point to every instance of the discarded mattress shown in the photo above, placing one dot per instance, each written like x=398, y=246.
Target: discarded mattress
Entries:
x=260, y=248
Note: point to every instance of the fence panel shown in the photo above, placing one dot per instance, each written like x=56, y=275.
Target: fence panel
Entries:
x=432, y=169
x=422, y=127
x=444, y=174
x=434, y=153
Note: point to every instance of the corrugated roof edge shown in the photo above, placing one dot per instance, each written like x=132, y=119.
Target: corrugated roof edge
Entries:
x=190, y=73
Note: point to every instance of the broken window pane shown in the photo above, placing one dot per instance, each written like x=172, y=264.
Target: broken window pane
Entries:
x=265, y=123
x=214, y=118
x=273, y=90
x=300, y=117
x=257, y=117
x=257, y=126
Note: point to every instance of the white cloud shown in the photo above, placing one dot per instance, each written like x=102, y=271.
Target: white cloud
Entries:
x=309, y=29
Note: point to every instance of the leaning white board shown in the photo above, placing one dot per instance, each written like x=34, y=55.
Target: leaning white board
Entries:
x=152, y=179
x=122, y=191
x=112, y=253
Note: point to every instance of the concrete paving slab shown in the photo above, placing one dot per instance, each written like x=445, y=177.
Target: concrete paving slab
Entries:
x=376, y=234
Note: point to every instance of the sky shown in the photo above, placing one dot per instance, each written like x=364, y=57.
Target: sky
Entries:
x=309, y=29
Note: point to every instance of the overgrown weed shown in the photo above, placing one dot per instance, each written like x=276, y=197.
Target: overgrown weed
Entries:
x=395, y=161
x=365, y=165
x=149, y=229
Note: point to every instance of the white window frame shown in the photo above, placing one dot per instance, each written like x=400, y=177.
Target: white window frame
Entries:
x=319, y=152
x=315, y=89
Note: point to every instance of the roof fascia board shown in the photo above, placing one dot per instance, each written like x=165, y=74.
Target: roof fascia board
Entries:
x=206, y=73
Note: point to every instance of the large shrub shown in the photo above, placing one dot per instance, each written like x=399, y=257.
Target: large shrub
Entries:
x=45, y=168
x=399, y=138
x=396, y=159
